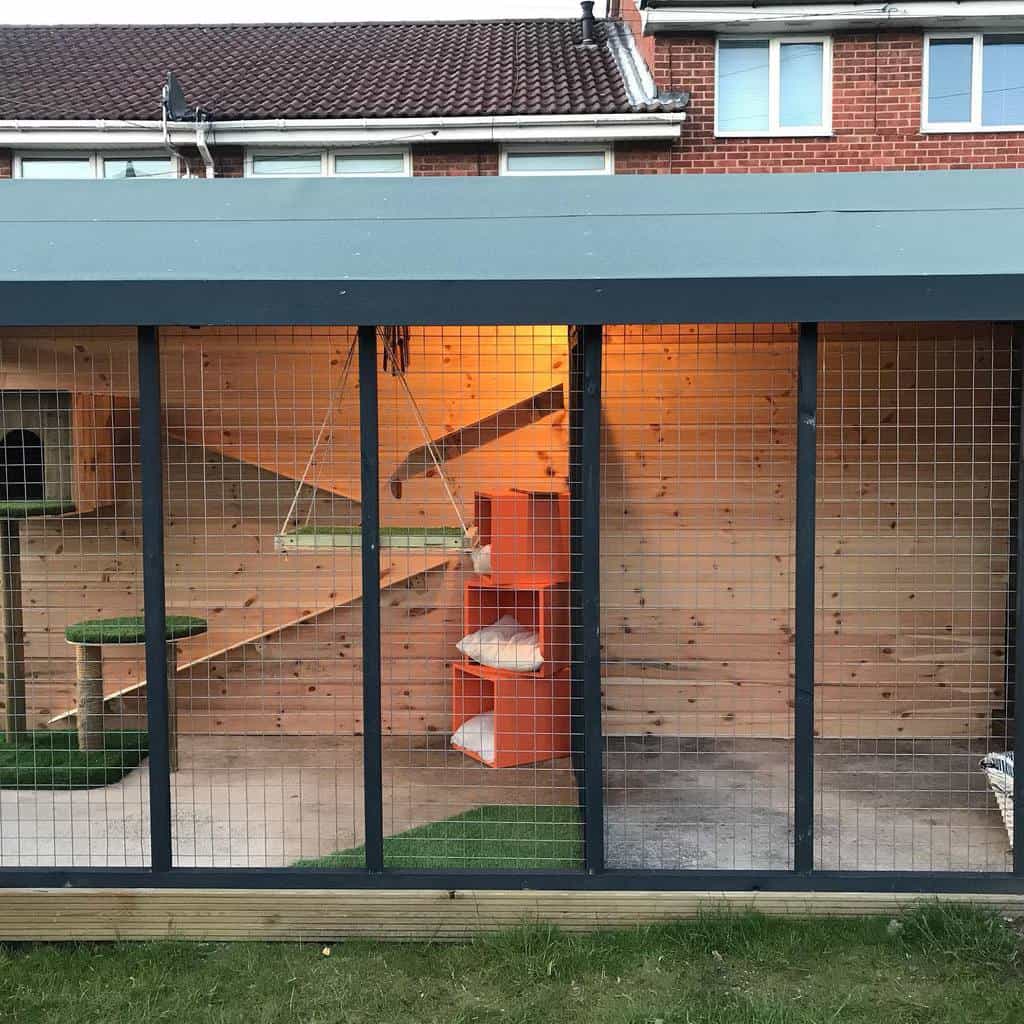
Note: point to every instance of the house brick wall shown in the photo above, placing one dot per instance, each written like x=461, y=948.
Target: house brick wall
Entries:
x=876, y=117
x=6, y=163
x=451, y=161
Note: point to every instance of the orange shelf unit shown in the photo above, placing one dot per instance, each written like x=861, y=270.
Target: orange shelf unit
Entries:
x=542, y=607
x=528, y=532
x=531, y=712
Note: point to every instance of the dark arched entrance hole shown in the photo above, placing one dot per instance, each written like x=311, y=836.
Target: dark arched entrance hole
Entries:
x=21, y=466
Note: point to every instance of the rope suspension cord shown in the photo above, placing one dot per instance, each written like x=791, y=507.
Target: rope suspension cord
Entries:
x=331, y=406
x=398, y=359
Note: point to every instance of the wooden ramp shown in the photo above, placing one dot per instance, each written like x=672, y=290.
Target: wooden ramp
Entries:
x=235, y=629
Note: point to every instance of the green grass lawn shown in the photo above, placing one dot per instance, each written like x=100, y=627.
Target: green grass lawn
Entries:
x=485, y=837
x=50, y=759
x=939, y=966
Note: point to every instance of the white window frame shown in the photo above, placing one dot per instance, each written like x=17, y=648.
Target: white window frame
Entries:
x=977, y=86
x=774, y=129
x=607, y=151
x=327, y=160
x=95, y=157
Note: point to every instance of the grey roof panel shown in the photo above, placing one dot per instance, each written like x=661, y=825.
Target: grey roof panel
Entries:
x=932, y=245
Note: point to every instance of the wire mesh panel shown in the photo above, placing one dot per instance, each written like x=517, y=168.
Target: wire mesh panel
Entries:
x=476, y=602
x=261, y=508
x=916, y=467
x=697, y=547
x=72, y=791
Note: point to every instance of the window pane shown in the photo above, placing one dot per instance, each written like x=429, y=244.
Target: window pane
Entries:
x=949, y=81
x=525, y=162
x=355, y=163
x=1002, y=100
x=135, y=167
x=801, y=70
x=43, y=167
x=288, y=165
x=743, y=86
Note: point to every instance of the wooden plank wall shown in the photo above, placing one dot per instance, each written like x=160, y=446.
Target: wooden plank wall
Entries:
x=698, y=520
x=698, y=471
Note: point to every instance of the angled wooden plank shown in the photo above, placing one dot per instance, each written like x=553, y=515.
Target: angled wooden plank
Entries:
x=221, y=641
x=419, y=462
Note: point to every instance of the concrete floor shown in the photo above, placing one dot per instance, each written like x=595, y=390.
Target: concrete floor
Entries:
x=881, y=805
x=261, y=801
x=267, y=801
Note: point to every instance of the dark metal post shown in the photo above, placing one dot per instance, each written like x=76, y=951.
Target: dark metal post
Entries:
x=1018, y=647
x=803, y=724
x=151, y=460
x=369, y=472
x=585, y=511
x=591, y=337
x=16, y=719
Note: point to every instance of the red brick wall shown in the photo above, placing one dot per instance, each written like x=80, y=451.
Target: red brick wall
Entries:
x=449, y=161
x=6, y=163
x=876, y=117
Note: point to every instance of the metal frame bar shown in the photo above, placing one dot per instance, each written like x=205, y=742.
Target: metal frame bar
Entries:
x=803, y=705
x=375, y=876
x=607, y=881
x=369, y=496
x=590, y=340
x=1018, y=647
x=154, y=609
x=577, y=719
x=1010, y=622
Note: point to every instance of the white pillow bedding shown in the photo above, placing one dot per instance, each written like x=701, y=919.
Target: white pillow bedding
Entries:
x=505, y=645
x=477, y=734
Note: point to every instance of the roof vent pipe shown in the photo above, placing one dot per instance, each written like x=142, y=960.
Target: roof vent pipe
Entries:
x=587, y=22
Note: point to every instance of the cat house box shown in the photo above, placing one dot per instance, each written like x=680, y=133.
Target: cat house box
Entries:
x=56, y=446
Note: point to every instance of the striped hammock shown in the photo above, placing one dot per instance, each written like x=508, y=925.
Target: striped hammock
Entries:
x=998, y=769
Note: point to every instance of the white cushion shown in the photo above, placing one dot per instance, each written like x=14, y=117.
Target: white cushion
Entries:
x=506, y=645
x=477, y=734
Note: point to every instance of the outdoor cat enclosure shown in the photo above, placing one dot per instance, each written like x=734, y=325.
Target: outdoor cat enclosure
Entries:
x=632, y=541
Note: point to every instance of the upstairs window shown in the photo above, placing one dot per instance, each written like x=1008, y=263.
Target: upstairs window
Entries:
x=974, y=82
x=776, y=86
x=547, y=160
x=40, y=165
x=329, y=163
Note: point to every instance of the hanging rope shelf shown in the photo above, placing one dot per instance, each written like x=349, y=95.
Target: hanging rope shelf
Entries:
x=429, y=459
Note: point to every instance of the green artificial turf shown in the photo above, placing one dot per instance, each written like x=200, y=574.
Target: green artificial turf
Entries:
x=50, y=759
x=25, y=509
x=542, y=837
x=937, y=965
x=450, y=532
x=390, y=536
x=130, y=629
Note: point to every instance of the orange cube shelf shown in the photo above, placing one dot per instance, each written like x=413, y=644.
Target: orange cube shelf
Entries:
x=531, y=712
x=528, y=532
x=543, y=608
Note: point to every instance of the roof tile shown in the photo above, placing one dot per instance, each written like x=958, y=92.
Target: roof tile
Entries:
x=372, y=70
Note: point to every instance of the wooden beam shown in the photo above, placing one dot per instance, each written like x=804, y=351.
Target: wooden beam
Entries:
x=324, y=915
x=419, y=462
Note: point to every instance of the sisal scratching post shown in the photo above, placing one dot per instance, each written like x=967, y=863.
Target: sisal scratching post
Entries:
x=89, y=672
x=172, y=706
